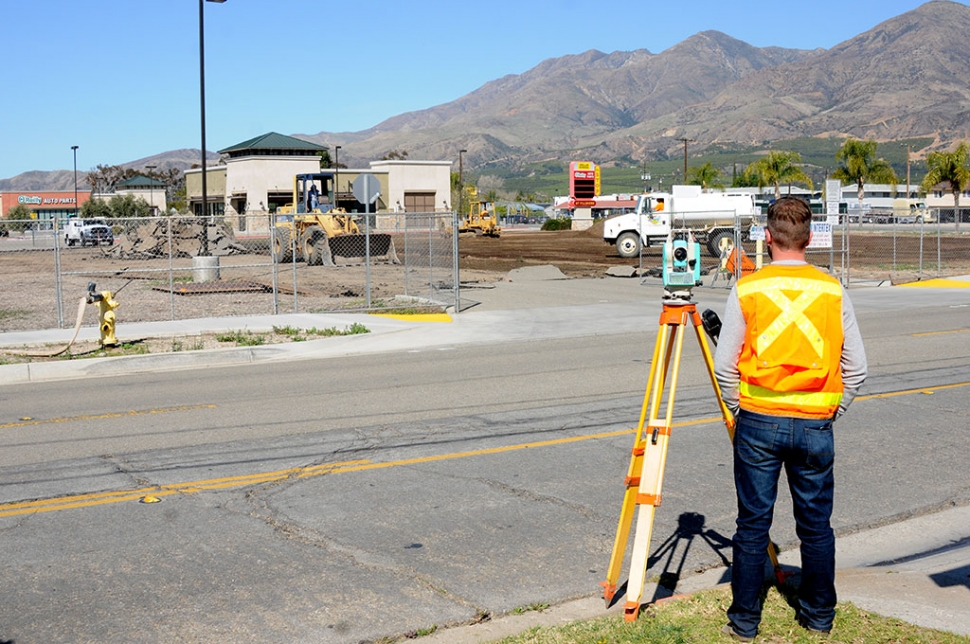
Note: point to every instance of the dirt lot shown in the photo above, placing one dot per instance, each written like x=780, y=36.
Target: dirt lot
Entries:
x=584, y=253
x=145, y=292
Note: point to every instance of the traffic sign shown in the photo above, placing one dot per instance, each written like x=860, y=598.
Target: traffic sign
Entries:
x=367, y=188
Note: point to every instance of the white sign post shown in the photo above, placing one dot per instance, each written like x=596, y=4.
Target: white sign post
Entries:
x=367, y=189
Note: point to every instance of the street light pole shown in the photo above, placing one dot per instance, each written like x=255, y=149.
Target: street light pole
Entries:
x=685, y=141
x=336, y=178
x=151, y=186
x=205, y=205
x=74, y=148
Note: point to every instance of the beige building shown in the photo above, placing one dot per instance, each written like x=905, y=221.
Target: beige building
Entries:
x=258, y=175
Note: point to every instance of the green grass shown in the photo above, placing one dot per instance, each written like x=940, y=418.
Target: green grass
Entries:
x=124, y=349
x=698, y=619
x=178, y=346
x=242, y=338
x=13, y=314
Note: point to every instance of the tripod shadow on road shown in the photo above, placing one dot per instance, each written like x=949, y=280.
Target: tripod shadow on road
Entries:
x=690, y=527
x=674, y=550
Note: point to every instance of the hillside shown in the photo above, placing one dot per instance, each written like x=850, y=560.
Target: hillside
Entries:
x=905, y=77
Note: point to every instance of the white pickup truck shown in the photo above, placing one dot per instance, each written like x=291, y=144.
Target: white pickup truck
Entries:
x=711, y=216
x=88, y=231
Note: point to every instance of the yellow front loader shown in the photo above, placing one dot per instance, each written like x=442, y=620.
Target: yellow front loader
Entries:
x=481, y=218
x=318, y=232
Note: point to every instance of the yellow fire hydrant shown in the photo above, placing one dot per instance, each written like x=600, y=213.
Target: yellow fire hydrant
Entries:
x=106, y=314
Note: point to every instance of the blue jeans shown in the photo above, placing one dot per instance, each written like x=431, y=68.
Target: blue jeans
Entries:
x=805, y=447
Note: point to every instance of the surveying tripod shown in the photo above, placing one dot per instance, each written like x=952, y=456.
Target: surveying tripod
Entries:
x=644, y=480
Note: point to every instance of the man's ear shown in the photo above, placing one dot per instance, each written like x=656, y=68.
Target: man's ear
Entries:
x=767, y=235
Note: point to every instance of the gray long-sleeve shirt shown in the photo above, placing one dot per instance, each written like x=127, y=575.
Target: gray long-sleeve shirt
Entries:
x=731, y=340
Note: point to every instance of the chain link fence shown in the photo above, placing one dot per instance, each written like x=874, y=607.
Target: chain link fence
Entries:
x=175, y=268
x=857, y=252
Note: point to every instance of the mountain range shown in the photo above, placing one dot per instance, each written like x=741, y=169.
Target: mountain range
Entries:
x=904, y=78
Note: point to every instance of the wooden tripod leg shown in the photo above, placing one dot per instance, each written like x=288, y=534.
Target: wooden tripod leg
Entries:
x=632, y=480
x=650, y=492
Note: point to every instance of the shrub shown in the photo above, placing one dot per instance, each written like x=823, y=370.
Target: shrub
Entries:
x=558, y=224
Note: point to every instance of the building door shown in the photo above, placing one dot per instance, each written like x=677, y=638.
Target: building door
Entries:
x=419, y=201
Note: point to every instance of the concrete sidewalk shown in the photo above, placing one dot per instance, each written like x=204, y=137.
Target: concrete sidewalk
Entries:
x=917, y=570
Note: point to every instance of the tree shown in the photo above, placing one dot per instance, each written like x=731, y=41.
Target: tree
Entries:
x=19, y=217
x=128, y=207
x=395, y=155
x=778, y=167
x=325, y=159
x=104, y=178
x=705, y=176
x=951, y=168
x=859, y=165
x=95, y=208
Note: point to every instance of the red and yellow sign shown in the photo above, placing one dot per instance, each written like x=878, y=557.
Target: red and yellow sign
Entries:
x=584, y=180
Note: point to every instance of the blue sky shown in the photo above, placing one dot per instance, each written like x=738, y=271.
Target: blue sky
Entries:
x=120, y=78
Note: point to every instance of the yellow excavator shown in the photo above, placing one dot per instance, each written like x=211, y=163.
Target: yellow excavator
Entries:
x=481, y=218
x=318, y=231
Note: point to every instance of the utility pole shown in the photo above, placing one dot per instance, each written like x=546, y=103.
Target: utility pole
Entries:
x=151, y=189
x=685, y=141
x=907, y=170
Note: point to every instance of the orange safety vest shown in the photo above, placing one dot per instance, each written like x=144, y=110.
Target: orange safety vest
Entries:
x=790, y=363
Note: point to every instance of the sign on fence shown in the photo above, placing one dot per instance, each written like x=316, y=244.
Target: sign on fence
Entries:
x=821, y=235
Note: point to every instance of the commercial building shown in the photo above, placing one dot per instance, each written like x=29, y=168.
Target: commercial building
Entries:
x=44, y=205
x=257, y=178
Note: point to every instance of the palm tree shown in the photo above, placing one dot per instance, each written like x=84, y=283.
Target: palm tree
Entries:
x=860, y=166
x=778, y=167
x=705, y=176
x=951, y=168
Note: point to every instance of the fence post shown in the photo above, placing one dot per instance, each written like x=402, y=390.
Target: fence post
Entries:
x=58, y=285
x=456, y=267
x=171, y=270
x=271, y=226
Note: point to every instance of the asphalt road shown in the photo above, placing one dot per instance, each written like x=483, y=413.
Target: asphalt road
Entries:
x=354, y=498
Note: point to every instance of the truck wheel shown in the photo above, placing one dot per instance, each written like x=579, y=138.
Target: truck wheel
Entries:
x=628, y=245
x=714, y=241
x=280, y=245
x=314, y=246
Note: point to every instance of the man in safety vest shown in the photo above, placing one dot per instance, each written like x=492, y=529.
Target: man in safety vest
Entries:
x=789, y=361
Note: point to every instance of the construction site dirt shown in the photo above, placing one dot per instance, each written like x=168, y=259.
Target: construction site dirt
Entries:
x=149, y=293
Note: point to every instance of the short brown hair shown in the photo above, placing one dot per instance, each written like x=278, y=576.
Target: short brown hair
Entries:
x=790, y=223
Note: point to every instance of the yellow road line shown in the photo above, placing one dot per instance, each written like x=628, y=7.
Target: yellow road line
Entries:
x=938, y=283
x=119, y=496
x=27, y=422
x=415, y=317
x=928, y=333
x=906, y=392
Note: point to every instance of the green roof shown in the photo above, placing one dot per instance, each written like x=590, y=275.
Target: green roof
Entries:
x=273, y=142
x=141, y=181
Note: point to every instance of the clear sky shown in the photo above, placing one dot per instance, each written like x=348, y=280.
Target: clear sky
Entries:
x=120, y=78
